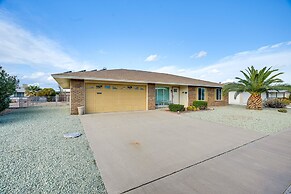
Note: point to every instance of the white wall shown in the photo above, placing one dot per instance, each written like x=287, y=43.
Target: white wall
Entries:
x=245, y=97
x=242, y=98
x=184, y=95
x=231, y=99
x=264, y=96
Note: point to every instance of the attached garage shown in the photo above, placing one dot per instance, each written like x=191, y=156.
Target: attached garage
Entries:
x=105, y=97
x=121, y=90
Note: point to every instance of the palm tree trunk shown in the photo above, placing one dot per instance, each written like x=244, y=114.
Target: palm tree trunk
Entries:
x=255, y=102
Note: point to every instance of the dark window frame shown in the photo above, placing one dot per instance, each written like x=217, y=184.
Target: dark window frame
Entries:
x=218, y=91
x=200, y=94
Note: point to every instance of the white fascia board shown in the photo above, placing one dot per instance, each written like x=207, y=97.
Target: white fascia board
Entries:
x=130, y=81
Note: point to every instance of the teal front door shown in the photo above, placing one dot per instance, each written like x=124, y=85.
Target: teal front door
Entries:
x=162, y=96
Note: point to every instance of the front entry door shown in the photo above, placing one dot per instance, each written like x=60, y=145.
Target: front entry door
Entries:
x=176, y=96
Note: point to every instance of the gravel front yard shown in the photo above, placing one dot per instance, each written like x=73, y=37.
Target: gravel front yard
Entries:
x=36, y=158
x=266, y=121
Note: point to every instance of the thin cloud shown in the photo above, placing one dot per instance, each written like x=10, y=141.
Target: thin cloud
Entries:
x=151, y=58
x=227, y=68
x=42, y=78
x=19, y=46
x=200, y=54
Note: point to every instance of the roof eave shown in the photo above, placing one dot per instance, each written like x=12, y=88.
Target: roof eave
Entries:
x=55, y=76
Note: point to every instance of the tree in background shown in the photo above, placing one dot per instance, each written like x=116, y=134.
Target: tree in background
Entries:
x=32, y=90
x=46, y=92
x=8, y=85
x=256, y=82
x=49, y=93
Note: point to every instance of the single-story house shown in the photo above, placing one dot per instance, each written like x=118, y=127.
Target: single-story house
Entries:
x=20, y=91
x=129, y=90
x=242, y=98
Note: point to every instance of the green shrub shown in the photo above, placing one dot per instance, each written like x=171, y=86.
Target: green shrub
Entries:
x=282, y=110
x=276, y=103
x=8, y=85
x=202, y=105
x=176, y=107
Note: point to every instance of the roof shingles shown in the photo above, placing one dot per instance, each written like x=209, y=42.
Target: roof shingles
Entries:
x=126, y=75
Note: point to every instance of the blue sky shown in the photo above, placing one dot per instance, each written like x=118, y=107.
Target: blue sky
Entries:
x=209, y=40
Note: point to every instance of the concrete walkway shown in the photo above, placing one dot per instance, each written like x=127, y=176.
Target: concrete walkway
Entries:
x=263, y=167
x=163, y=151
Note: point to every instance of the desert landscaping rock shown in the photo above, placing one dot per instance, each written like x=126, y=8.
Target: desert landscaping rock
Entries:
x=267, y=120
x=36, y=158
x=72, y=135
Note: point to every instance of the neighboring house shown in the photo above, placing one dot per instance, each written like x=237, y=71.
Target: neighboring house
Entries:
x=20, y=91
x=278, y=94
x=129, y=90
x=242, y=98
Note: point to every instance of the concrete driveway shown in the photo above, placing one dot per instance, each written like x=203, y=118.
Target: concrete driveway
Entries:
x=155, y=151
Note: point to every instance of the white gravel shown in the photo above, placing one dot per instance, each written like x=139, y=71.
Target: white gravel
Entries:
x=36, y=158
x=267, y=120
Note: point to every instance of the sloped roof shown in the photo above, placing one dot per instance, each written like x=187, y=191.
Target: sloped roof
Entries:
x=136, y=76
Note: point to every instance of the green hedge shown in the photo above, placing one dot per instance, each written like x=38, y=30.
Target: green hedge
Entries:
x=176, y=107
x=200, y=104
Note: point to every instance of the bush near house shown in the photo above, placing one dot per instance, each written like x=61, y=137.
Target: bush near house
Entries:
x=8, y=86
x=276, y=103
x=202, y=105
x=192, y=108
x=176, y=107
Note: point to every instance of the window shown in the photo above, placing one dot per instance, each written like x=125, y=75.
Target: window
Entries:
x=218, y=94
x=162, y=96
x=114, y=87
x=129, y=87
x=98, y=86
x=141, y=88
x=107, y=87
x=135, y=87
x=201, y=93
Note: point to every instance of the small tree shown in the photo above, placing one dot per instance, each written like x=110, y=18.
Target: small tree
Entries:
x=8, y=85
x=256, y=82
x=32, y=90
x=46, y=92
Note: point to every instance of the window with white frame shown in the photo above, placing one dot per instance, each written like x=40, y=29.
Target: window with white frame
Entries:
x=201, y=93
x=218, y=94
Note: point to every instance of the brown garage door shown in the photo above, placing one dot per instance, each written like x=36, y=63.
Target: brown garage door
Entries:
x=114, y=98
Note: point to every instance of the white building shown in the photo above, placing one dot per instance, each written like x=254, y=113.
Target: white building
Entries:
x=242, y=98
x=20, y=91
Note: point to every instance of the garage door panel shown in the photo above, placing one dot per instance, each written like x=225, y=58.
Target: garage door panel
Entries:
x=114, y=98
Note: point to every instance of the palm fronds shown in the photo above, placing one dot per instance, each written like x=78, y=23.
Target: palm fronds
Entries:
x=257, y=81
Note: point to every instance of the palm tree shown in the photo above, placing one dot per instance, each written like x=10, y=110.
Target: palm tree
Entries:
x=32, y=90
x=256, y=82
